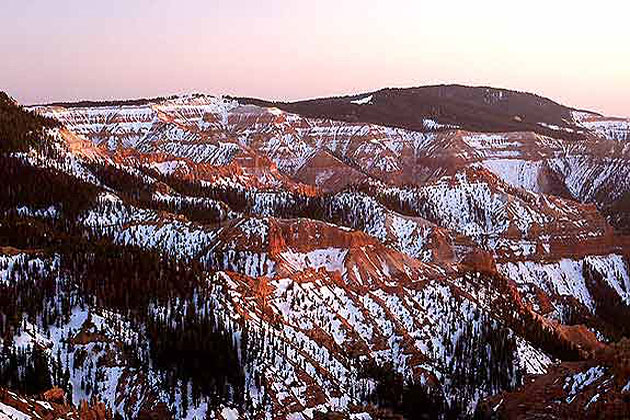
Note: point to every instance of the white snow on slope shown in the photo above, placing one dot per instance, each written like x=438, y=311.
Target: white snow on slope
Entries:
x=531, y=360
x=576, y=383
x=168, y=167
x=616, y=129
x=516, y=172
x=483, y=141
x=128, y=225
x=363, y=101
x=10, y=413
x=331, y=259
x=431, y=124
x=10, y=263
x=565, y=277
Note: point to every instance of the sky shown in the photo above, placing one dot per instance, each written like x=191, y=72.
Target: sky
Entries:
x=574, y=52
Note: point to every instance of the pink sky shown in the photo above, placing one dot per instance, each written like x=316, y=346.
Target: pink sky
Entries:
x=577, y=53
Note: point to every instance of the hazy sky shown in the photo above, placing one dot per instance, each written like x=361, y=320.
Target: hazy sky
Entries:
x=575, y=52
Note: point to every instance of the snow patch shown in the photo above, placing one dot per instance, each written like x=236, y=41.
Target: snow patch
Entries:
x=363, y=101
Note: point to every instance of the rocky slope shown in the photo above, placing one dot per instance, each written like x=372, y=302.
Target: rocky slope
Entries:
x=598, y=388
x=50, y=405
x=220, y=258
x=332, y=154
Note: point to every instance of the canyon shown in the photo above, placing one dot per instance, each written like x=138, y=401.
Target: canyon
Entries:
x=444, y=252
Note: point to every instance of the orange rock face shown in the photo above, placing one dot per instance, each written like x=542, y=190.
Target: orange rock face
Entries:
x=55, y=395
x=51, y=407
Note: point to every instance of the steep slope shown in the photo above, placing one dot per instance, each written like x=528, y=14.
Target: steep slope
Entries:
x=594, y=389
x=51, y=406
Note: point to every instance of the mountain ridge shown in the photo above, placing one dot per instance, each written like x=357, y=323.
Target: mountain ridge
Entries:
x=412, y=88
x=145, y=100
x=437, y=107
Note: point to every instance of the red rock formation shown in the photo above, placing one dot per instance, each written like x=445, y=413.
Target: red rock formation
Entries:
x=53, y=408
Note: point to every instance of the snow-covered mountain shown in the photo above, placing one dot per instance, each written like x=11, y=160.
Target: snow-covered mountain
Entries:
x=208, y=257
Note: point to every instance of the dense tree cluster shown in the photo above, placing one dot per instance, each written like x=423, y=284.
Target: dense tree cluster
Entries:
x=20, y=129
x=609, y=306
x=26, y=371
x=188, y=346
x=618, y=213
x=483, y=360
x=394, y=395
x=39, y=188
